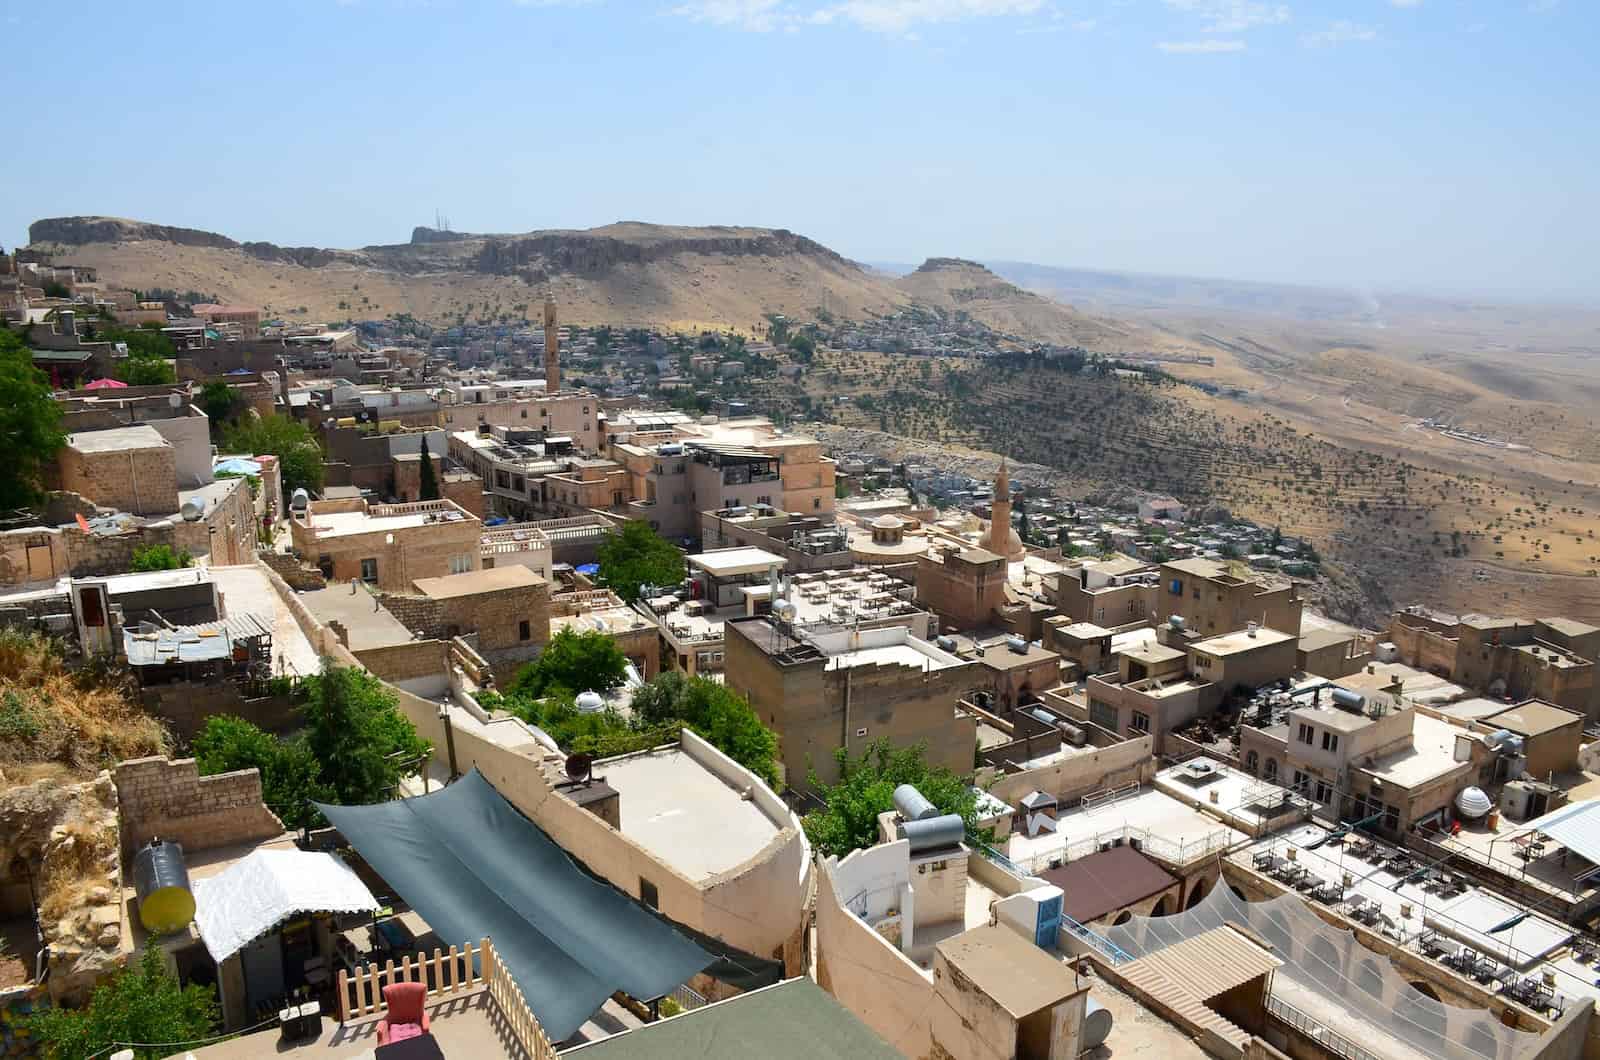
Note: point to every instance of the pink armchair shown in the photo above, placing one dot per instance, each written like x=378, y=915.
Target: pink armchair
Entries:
x=406, y=1017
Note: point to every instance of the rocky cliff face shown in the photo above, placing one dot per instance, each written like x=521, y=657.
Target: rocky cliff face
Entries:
x=75, y=231
x=67, y=834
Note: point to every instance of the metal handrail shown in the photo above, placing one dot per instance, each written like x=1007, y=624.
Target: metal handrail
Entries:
x=1324, y=1035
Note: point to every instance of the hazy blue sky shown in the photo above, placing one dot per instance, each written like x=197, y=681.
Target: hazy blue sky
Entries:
x=1400, y=144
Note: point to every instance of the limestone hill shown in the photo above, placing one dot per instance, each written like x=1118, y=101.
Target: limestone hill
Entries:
x=961, y=286
x=623, y=274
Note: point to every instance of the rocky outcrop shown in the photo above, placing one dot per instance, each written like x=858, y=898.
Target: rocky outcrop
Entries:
x=75, y=231
x=67, y=835
x=582, y=254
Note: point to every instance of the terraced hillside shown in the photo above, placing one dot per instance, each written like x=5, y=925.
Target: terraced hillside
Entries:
x=1406, y=530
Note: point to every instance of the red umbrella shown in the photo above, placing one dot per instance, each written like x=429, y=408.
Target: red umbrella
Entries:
x=105, y=384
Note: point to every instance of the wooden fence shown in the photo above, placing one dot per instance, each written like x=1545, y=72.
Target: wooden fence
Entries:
x=445, y=973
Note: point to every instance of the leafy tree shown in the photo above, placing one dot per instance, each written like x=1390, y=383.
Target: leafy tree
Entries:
x=289, y=772
x=142, y=1003
x=160, y=557
x=217, y=400
x=362, y=744
x=430, y=481
x=56, y=289
x=573, y=662
x=139, y=369
x=713, y=711
x=804, y=347
x=30, y=422
x=866, y=788
x=299, y=455
x=635, y=557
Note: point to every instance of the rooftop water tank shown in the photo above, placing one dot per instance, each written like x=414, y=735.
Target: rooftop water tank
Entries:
x=945, y=643
x=192, y=509
x=934, y=832
x=1472, y=803
x=162, y=885
x=299, y=500
x=912, y=804
x=1017, y=644
x=590, y=703
x=1348, y=700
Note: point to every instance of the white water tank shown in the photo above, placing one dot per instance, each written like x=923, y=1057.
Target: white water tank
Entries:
x=590, y=703
x=1473, y=804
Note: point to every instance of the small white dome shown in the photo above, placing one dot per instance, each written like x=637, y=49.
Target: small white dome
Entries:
x=888, y=522
x=591, y=702
x=1473, y=803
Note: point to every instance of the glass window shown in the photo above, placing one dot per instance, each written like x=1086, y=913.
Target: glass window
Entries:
x=369, y=570
x=1304, y=733
x=1140, y=723
x=1330, y=742
x=1103, y=714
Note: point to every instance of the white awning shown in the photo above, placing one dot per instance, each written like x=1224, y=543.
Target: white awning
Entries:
x=1575, y=826
x=255, y=895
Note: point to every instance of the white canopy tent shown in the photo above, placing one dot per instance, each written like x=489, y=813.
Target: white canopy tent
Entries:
x=1575, y=826
x=256, y=894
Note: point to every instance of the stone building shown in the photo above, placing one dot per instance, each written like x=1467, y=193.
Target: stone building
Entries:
x=850, y=688
x=1552, y=659
x=388, y=545
x=1212, y=599
x=133, y=469
x=965, y=588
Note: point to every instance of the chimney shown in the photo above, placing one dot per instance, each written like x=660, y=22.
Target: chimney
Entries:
x=552, y=349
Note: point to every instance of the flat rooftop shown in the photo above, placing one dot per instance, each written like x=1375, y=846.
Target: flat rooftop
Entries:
x=1242, y=640
x=1431, y=755
x=1534, y=718
x=1244, y=802
x=684, y=814
x=1167, y=829
x=117, y=439
x=1570, y=627
x=1415, y=684
x=728, y=562
x=1151, y=652
x=369, y=625
x=450, y=586
x=887, y=646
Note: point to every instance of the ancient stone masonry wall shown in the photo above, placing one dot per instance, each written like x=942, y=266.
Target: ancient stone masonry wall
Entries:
x=171, y=799
x=298, y=576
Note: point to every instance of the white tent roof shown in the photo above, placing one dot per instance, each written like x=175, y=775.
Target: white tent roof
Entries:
x=1575, y=826
x=259, y=892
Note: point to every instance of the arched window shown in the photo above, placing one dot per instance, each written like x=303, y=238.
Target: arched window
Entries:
x=1122, y=918
x=1196, y=895
x=1252, y=762
x=1161, y=907
x=1272, y=769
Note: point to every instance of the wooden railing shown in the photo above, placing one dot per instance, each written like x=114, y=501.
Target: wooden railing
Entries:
x=519, y=1017
x=444, y=973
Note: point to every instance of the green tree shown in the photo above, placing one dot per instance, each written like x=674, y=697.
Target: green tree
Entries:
x=160, y=557
x=30, y=422
x=150, y=355
x=716, y=712
x=217, y=400
x=290, y=778
x=804, y=348
x=635, y=557
x=362, y=744
x=866, y=788
x=299, y=455
x=56, y=289
x=138, y=369
x=141, y=1003
x=573, y=662
x=430, y=481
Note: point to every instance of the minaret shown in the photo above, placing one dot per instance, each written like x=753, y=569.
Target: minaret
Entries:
x=552, y=348
x=999, y=541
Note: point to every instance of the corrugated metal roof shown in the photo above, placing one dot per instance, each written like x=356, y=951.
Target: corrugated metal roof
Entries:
x=187, y=644
x=1575, y=826
x=1210, y=963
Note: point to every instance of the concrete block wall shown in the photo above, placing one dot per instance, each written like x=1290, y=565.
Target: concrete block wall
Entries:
x=185, y=707
x=295, y=574
x=170, y=799
x=142, y=481
x=407, y=662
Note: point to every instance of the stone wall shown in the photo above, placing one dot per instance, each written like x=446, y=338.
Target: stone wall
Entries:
x=143, y=481
x=94, y=555
x=407, y=662
x=160, y=796
x=185, y=706
x=295, y=574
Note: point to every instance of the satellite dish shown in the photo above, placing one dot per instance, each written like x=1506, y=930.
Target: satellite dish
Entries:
x=579, y=766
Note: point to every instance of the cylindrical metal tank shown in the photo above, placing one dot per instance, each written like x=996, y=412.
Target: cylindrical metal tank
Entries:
x=162, y=885
x=1096, y=1024
x=934, y=832
x=1347, y=699
x=912, y=804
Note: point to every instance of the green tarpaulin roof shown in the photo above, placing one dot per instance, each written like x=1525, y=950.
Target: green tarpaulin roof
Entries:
x=473, y=867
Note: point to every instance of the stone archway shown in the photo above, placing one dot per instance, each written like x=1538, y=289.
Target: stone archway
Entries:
x=1201, y=888
x=1122, y=918
x=1161, y=907
x=1425, y=990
